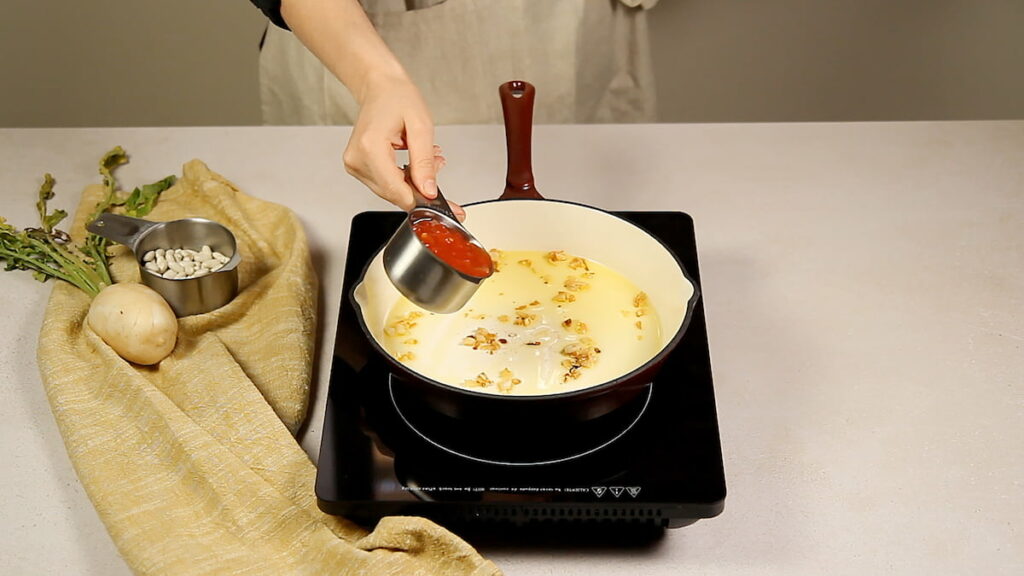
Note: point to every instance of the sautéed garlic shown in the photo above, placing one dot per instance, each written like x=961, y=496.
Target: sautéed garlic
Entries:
x=544, y=323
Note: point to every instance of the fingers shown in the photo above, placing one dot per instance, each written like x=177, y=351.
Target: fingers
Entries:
x=420, y=140
x=376, y=169
x=439, y=160
x=380, y=174
x=459, y=212
x=372, y=160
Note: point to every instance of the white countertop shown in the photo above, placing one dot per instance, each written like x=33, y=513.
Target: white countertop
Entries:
x=864, y=290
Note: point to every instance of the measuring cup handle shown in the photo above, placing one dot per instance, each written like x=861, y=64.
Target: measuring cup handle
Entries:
x=438, y=204
x=119, y=228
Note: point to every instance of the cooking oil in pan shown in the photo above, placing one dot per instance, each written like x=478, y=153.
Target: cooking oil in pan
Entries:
x=544, y=323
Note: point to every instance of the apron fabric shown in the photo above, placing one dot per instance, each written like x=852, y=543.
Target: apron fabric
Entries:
x=589, y=60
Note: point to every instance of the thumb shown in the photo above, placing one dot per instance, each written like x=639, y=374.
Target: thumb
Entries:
x=421, y=163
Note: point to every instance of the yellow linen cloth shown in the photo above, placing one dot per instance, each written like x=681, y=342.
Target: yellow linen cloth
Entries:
x=192, y=464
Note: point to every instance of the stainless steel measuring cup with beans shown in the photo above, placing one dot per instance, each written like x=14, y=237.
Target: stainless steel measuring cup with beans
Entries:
x=192, y=262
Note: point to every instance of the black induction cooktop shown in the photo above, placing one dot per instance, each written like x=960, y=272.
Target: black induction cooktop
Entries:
x=656, y=461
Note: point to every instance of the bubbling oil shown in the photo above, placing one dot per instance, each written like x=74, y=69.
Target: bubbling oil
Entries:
x=544, y=323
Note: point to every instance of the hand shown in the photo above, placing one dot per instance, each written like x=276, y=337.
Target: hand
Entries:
x=392, y=113
x=393, y=116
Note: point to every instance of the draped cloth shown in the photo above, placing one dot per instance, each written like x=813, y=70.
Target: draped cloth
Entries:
x=192, y=464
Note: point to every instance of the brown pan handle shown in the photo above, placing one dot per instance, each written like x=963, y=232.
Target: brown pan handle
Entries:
x=517, y=106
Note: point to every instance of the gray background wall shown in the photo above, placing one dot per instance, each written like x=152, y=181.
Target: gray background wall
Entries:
x=193, y=62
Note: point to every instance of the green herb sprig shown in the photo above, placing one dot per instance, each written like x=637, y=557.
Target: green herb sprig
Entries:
x=48, y=252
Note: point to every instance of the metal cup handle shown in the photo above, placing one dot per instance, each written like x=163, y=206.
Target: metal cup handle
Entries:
x=121, y=229
x=438, y=204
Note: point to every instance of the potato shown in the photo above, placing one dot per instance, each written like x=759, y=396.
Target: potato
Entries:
x=135, y=321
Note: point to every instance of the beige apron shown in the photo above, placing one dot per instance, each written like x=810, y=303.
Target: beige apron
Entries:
x=589, y=60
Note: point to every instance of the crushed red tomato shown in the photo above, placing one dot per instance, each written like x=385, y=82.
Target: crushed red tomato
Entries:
x=454, y=248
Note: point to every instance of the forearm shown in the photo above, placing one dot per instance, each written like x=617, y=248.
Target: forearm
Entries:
x=392, y=113
x=343, y=39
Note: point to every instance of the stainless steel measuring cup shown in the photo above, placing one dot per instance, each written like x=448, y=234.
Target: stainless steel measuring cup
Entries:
x=186, y=296
x=419, y=274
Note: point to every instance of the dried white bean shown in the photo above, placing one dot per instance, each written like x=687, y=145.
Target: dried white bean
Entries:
x=183, y=263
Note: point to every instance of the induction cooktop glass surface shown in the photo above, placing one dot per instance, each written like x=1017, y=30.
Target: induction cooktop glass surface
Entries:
x=655, y=460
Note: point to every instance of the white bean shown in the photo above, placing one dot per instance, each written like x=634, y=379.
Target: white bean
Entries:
x=184, y=263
